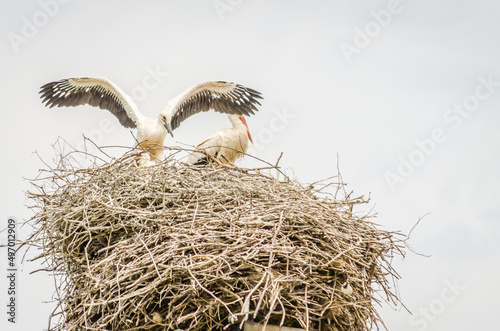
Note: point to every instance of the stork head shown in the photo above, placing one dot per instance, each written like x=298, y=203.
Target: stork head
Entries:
x=242, y=119
x=164, y=119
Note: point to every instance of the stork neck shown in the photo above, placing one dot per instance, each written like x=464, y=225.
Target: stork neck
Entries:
x=164, y=122
x=235, y=121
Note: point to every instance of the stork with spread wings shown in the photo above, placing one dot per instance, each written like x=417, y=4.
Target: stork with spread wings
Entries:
x=223, y=97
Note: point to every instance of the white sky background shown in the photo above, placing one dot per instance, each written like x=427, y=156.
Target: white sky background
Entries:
x=369, y=110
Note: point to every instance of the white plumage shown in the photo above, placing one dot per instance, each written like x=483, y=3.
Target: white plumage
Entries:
x=226, y=145
x=223, y=97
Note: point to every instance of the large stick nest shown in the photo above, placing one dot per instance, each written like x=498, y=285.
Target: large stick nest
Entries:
x=176, y=247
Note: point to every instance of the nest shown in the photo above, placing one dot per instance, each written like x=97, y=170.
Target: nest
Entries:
x=176, y=247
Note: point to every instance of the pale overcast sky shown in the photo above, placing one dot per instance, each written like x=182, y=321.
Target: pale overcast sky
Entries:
x=406, y=93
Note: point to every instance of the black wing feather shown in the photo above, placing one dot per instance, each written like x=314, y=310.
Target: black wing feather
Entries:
x=240, y=101
x=62, y=94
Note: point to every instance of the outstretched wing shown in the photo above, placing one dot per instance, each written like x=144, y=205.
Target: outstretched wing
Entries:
x=97, y=92
x=223, y=97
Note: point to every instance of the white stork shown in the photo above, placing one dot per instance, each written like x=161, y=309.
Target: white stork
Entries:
x=226, y=145
x=223, y=97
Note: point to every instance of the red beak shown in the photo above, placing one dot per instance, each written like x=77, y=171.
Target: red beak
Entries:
x=248, y=131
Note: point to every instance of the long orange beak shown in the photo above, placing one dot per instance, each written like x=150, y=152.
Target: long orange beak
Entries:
x=248, y=131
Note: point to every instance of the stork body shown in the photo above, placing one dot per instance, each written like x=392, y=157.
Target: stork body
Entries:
x=223, y=97
x=150, y=137
x=226, y=145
